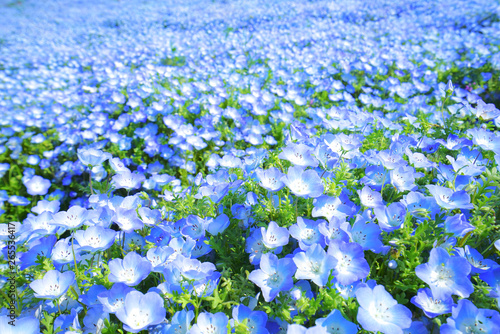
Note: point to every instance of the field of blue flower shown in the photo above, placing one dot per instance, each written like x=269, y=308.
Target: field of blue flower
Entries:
x=254, y=166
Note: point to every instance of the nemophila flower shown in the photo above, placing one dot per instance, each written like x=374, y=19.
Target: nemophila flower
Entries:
x=351, y=263
x=149, y=216
x=94, y=319
x=449, y=199
x=467, y=318
x=328, y=207
x=89, y=298
x=314, y=264
x=478, y=263
x=118, y=166
x=420, y=206
x=46, y=206
x=336, y=323
x=431, y=305
x=24, y=325
x=370, y=198
x=40, y=247
x=464, y=169
x=485, y=139
x=375, y=177
x=53, y=284
x=274, y=275
x=114, y=298
x=255, y=246
x=366, y=234
x=299, y=155
x=255, y=321
x=274, y=236
x=270, y=179
x=195, y=227
x=158, y=236
x=458, y=225
x=15, y=200
x=403, y=178
x=182, y=246
x=391, y=161
x=306, y=231
x=128, y=180
x=303, y=183
x=140, y=311
x=326, y=156
x=180, y=323
x=95, y=238
x=335, y=229
x=65, y=321
x=37, y=185
x=210, y=323
x=92, y=157
x=453, y=142
x=218, y=224
x=127, y=219
x=131, y=270
x=446, y=275
x=390, y=218
x=379, y=311
x=64, y=251
x=419, y=160
x=71, y=219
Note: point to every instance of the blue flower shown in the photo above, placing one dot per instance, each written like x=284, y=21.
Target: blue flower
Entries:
x=53, y=284
x=367, y=234
x=449, y=199
x=180, y=323
x=71, y=219
x=270, y=179
x=478, y=263
x=370, y=198
x=458, y=225
x=92, y=157
x=375, y=177
x=114, y=298
x=255, y=321
x=299, y=155
x=306, y=231
x=335, y=229
x=210, y=323
x=392, y=217
x=140, y=311
x=446, y=275
x=274, y=236
x=403, y=178
x=131, y=270
x=351, y=264
x=378, y=311
x=274, y=275
x=431, y=305
x=303, y=183
x=467, y=318
x=24, y=325
x=328, y=207
x=37, y=185
x=336, y=323
x=314, y=264
x=95, y=238
x=255, y=246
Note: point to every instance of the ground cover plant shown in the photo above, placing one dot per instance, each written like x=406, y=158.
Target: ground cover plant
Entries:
x=249, y=166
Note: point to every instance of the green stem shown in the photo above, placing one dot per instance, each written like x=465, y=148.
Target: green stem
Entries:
x=90, y=181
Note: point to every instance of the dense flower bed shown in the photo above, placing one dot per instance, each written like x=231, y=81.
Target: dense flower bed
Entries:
x=250, y=166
